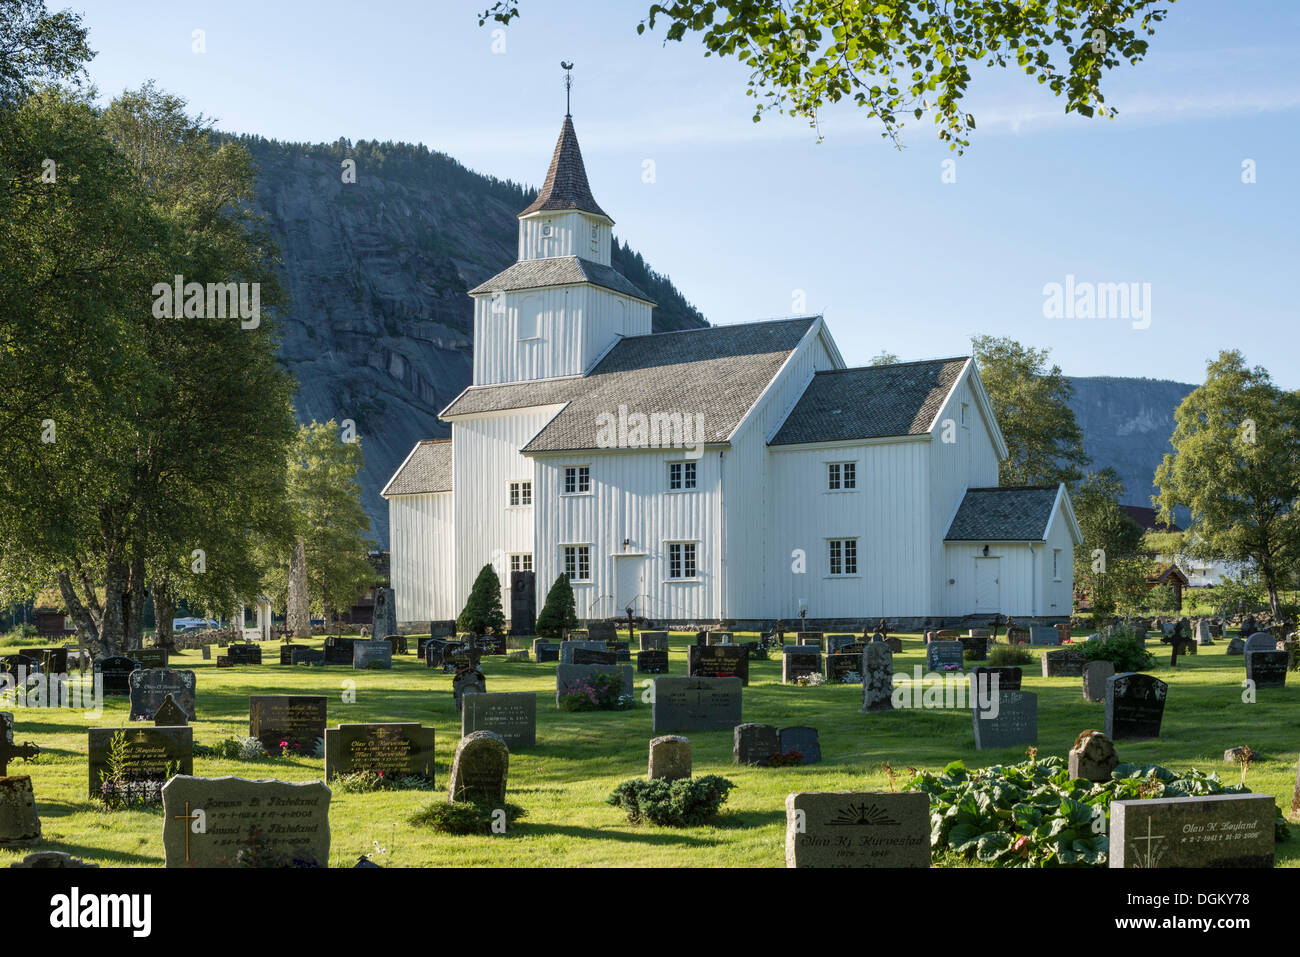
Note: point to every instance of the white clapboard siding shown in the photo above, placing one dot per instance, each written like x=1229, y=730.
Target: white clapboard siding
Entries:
x=1016, y=570
x=571, y=234
x=423, y=572
x=1056, y=591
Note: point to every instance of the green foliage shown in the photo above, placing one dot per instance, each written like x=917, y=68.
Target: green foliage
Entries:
x=1033, y=814
x=685, y=802
x=483, y=607
x=1127, y=651
x=604, y=692
x=360, y=782
x=1236, y=444
x=1005, y=656
x=558, y=612
x=464, y=817
x=37, y=46
x=1111, y=564
x=907, y=57
x=233, y=749
x=1032, y=406
x=119, y=789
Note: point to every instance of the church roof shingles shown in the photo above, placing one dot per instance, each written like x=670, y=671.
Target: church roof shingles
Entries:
x=566, y=184
x=426, y=469
x=559, y=271
x=1006, y=514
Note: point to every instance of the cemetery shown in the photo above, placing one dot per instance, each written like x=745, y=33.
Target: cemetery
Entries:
x=842, y=753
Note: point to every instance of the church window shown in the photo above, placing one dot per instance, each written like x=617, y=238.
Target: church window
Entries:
x=521, y=563
x=681, y=476
x=681, y=560
x=841, y=476
x=577, y=563
x=577, y=480
x=843, y=556
x=521, y=494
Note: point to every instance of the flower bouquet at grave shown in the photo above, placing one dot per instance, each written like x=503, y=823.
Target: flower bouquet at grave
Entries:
x=118, y=791
x=811, y=680
x=602, y=692
x=785, y=759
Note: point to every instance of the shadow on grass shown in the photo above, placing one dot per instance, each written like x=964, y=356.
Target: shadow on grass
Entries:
x=642, y=833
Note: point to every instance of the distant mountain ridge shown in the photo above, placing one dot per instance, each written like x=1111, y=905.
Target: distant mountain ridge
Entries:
x=379, y=327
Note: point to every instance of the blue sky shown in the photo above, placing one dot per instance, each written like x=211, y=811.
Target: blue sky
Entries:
x=745, y=217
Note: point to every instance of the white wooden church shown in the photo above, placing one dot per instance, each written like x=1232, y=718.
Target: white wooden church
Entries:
x=738, y=472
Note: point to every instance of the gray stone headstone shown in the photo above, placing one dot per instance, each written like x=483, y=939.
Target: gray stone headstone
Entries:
x=246, y=823
x=19, y=823
x=149, y=689
x=1093, y=757
x=1203, y=636
x=568, y=677
x=803, y=739
x=877, y=677
x=602, y=631
x=470, y=681
x=653, y=640
x=480, y=769
x=1236, y=647
x=511, y=714
x=944, y=656
x=1135, y=706
x=1260, y=641
x=569, y=647
x=835, y=642
x=394, y=749
x=754, y=743
x=372, y=655
x=809, y=638
x=857, y=829
x=1044, y=635
x=385, y=614
x=688, y=704
x=544, y=650
x=670, y=758
x=1065, y=663
x=1009, y=720
x=1215, y=830
x=1095, y=676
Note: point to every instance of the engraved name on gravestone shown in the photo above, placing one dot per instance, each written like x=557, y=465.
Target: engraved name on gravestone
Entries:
x=240, y=654
x=1065, y=663
x=1135, y=706
x=1095, y=676
x=1009, y=676
x=150, y=753
x=384, y=622
x=1267, y=669
x=652, y=662
x=234, y=822
x=653, y=640
x=150, y=657
x=372, y=656
x=857, y=829
x=296, y=719
x=395, y=749
x=569, y=648
x=877, y=677
x=718, y=661
x=843, y=665
x=480, y=769
x=943, y=656
x=569, y=677
x=1014, y=723
x=513, y=715
x=149, y=688
x=1215, y=830
x=1044, y=635
x=803, y=739
x=116, y=674
x=686, y=704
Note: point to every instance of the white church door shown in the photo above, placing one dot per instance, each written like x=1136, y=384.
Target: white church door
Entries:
x=987, y=588
x=629, y=591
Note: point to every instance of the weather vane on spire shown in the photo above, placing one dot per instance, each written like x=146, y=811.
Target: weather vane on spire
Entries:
x=568, y=83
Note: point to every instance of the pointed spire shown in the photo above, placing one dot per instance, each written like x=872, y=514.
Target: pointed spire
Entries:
x=566, y=181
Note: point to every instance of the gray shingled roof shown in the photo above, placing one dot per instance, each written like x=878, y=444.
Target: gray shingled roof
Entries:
x=559, y=271
x=566, y=184
x=871, y=402
x=428, y=469
x=1009, y=514
x=718, y=372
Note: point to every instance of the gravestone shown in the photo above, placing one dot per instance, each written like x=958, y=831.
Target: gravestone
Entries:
x=843, y=665
x=568, y=677
x=245, y=823
x=1203, y=636
x=689, y=704
x=653, y=641
x=338, y=651
x=207, y=652
x=300, y=655
x=652, y=662
x=621, y=649
x=395, y=749
x=1008, y=720
x=569, y=648
x=588, y=656
x=19, y=823
x=492, y=644
x=53, y=661
x=1066, y=663
x=602, y=631
x=1267, y=669
x=1135, y=705
x=442, y=629
x=810, y=638
x=1260, y=641
x=513, y=715
x=51, y=859
x=754, y=744
x=116, y=674
x=523, y=603
x=803, y=739
x=296, y=719
x=718, y=661
x=857, y=829
x=170, y=714
x=10, y=751
x=1095, y=676
x=943, y=656
x=835, y=642
x=1044, y=635
x=398, y=643
x=1236, y=647
x=241, y=654
x=384, y=622
x=1093, y=757
x=895, y=644
x=150, y=657
x=877, y=677
x=976, y=644
x=720, y=638
x=1213, y=830
x=670, y=758
x=151, y=753
x=544, y=650
x=149, y=688
x=1009, y=676
x=576, y=634
x=799, y=660
x=480, y=769
x=470, y=681
x=372, y=656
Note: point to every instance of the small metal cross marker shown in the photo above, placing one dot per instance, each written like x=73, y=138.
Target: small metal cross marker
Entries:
x=189, y=826
x=10, y=751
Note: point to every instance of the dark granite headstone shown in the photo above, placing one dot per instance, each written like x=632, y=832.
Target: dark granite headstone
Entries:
x=803, y=739
x=718, y=661
x=799, y=660
x=170, y=714
x=384, y=620
x=546, y=650
x=116, y=674
x=754, y=743
x=653, y=640
x=589, y=656
x=569, y=648
x=1267, y=669
x=241, y=654
x=569, y=677
x=1215, y=830
x=1009, y=677
x=523, y=603
x=1095, y=676
x=688, y=704
x=467, y=681
x=1044, y=635
x=1008, y=720
x=152, y=753
x=877, y=677
x=296, y=719
x=841, y=665
x=149, y=688
x=513, y=715
x=394, y=749
x=150, y=657
x=652, y=662
x=1135, y=705
x=338, y=651
x=943, y=656
x=1065, y=663
x=301, y=655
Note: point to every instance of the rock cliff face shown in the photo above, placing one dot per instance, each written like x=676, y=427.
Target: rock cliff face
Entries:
x=1126, y=425
x=379, y=328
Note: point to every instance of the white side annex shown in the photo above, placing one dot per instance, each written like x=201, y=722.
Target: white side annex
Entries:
x=733, y=472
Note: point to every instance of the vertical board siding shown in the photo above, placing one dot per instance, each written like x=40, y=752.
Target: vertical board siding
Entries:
x=423, y=539
x=1016, y=573
x=571, y=235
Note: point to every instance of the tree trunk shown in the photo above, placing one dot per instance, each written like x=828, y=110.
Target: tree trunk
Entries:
x=133, y=601
x=164, y=610
x=112, y=635
x=299, y=611
x=82, y=620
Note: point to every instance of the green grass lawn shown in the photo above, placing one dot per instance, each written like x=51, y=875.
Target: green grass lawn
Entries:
x=563, y=782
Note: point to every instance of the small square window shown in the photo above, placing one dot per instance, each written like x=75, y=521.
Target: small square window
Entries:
x=843, y=555
x=681, y=560
x=681, y=476
x=577, y=562
x=841, y=476
x=521, y=494
x=521, y=563
x=577, y=480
